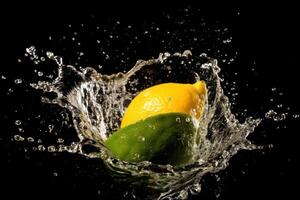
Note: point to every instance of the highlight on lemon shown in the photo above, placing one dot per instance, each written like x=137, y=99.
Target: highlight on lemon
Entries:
x=157, y=124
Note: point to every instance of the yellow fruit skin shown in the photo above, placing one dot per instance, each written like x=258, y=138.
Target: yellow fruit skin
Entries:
x=166, y=98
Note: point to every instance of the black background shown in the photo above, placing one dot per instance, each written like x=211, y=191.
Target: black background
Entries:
x=267, y=35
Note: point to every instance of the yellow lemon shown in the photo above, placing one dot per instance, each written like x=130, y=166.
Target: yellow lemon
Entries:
x=166, y=98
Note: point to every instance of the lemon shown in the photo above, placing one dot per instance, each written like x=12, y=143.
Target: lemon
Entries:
x=166, y=98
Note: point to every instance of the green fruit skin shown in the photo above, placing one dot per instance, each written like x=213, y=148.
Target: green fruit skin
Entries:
x=162, y=139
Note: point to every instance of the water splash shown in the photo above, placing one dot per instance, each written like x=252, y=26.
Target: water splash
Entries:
x=97, y=103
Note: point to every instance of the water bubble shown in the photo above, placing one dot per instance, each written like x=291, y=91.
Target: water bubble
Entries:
x=273, y=89
x=50, y=38
x=3, y=77
x=39, y=141
x=18, y=138
x=19, y=60
x=40, y=73
x=18, y=122
x=18, y=81
x=42, y=58
x=55, y=174
x=30, y=139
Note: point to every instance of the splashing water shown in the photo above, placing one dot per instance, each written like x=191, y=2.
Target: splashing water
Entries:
x=97, y=103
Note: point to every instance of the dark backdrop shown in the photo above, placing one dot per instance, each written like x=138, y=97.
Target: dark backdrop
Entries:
x=266, y=38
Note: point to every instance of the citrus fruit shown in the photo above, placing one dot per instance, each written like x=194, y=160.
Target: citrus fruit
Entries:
x=166, y=98
x=163, y=139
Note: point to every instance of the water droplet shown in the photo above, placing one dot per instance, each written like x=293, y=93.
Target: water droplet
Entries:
x=271, y=114
x=18, y=122
x=3, y=77
x=55, y=174
x=227, y=41
x=30, y=139
x=19, y=60
x=178, y=120
x=18, y=81
x=30, y=50
x=196, y=188
x=141, y=138
x=187, y=53
x=60, y=140
x=136, y=155
x=81, y=54
x=40, y=73
x=50, y=55
x=183, y=194
x=41, y=148
x=42, y=58
x=50, y=127
x=51, y=148
x=273, y=89
x=18, y=138
x=295, y=116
